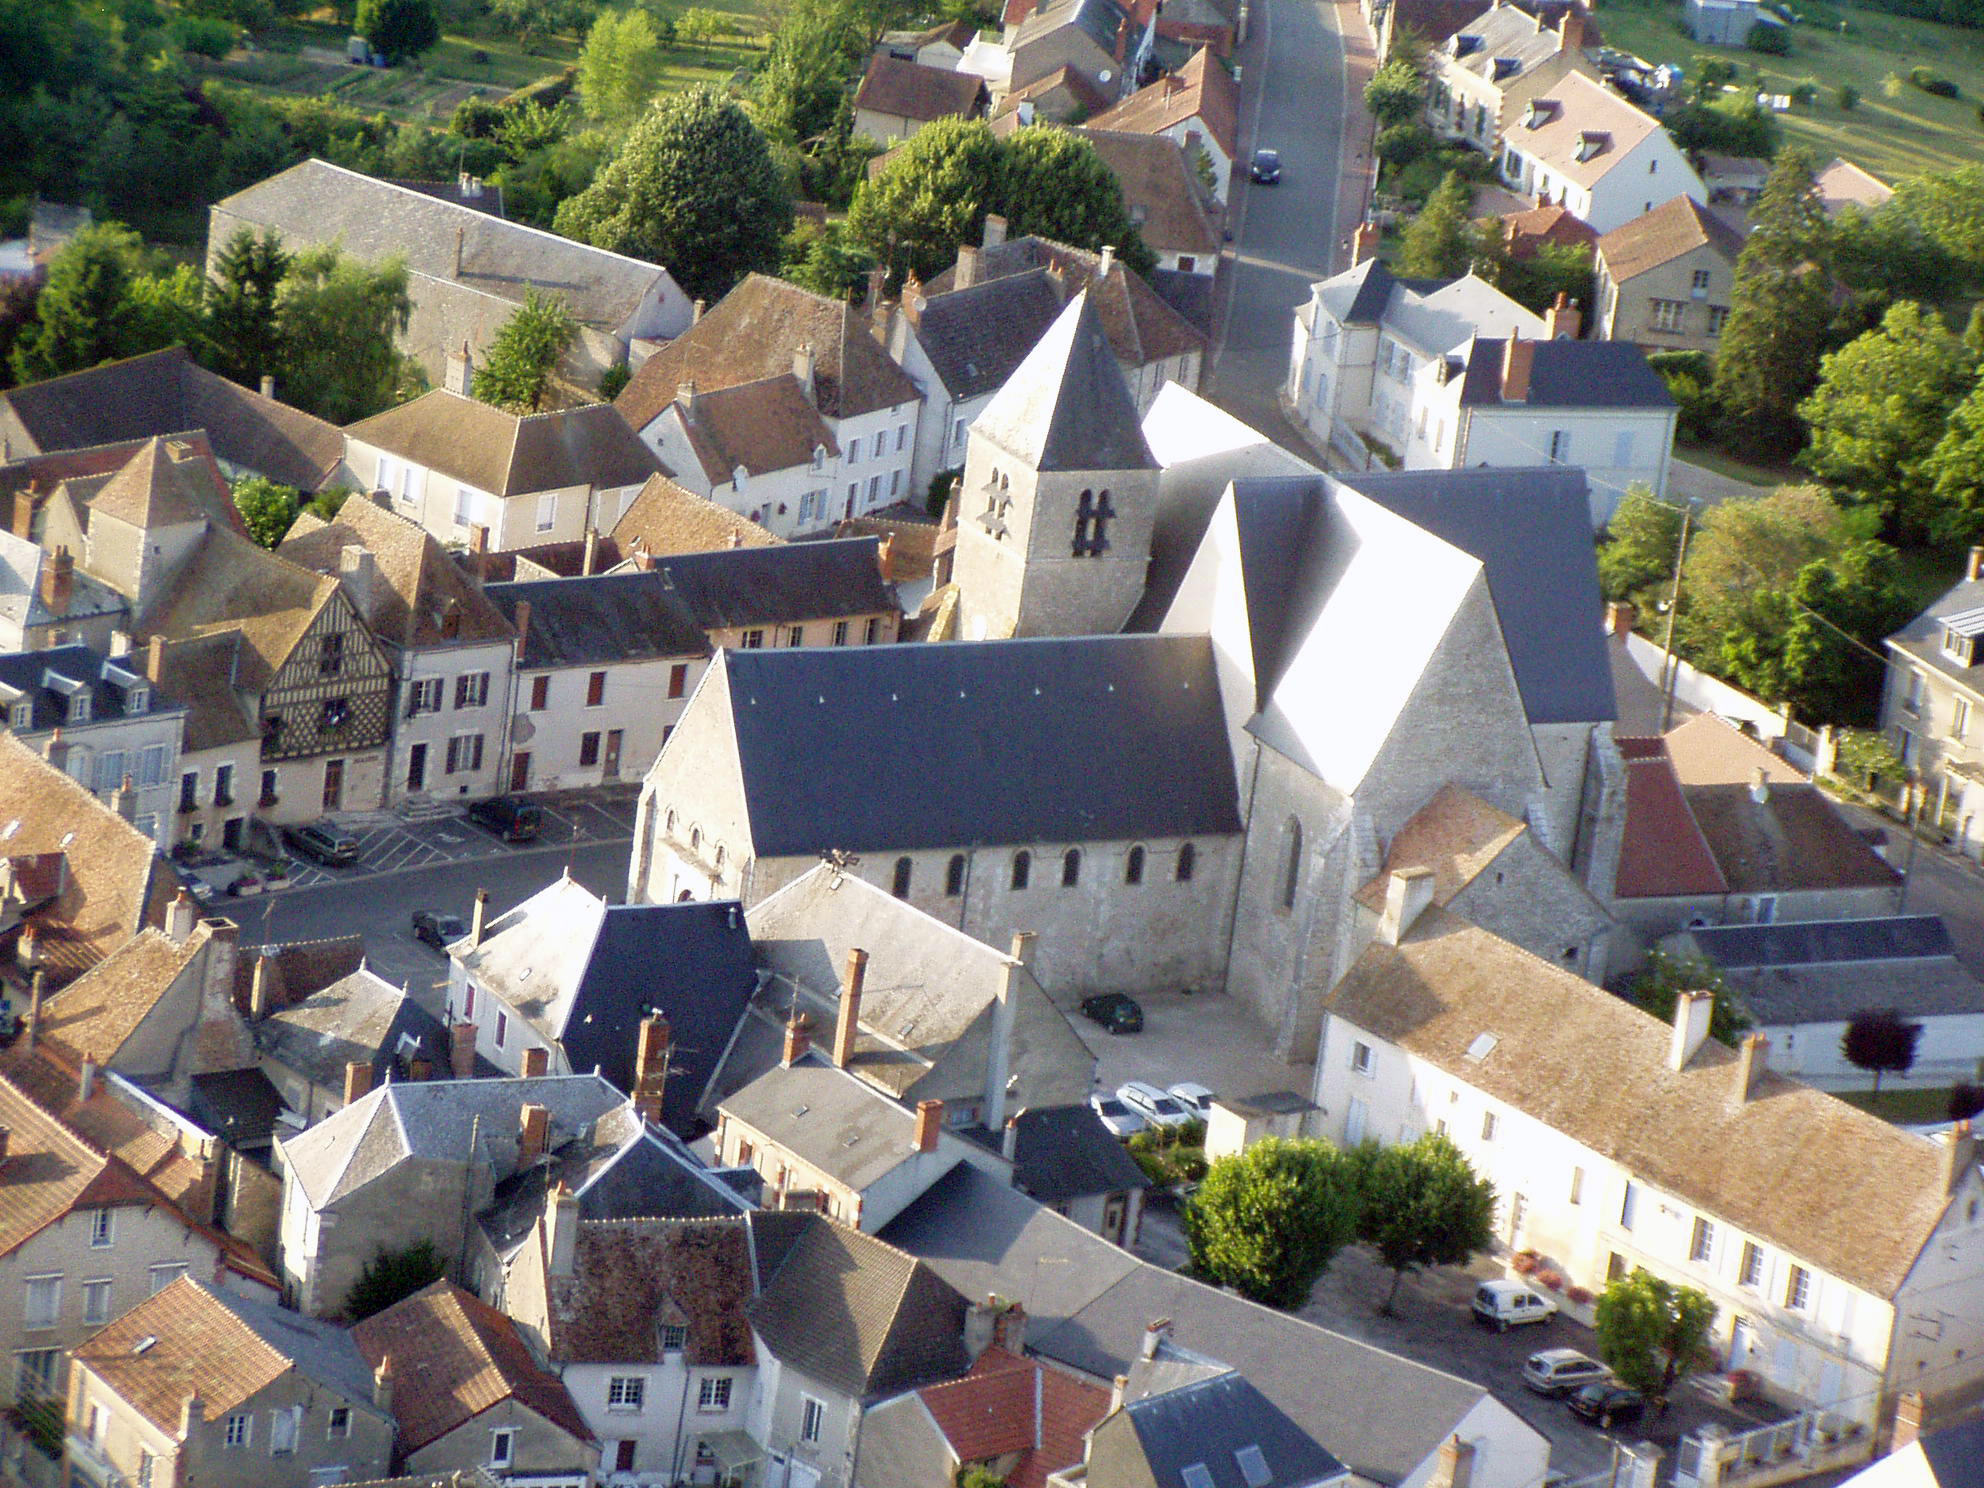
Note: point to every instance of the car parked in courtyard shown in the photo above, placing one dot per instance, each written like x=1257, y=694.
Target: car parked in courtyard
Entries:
x=1116, y=1011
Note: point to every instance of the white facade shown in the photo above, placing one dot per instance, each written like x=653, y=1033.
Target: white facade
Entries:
x=453, y=510
x=808, y=1429
x=451, y=721
x=1632, y=182
x=583, y=725
x=650, y=1418
x=144, y=748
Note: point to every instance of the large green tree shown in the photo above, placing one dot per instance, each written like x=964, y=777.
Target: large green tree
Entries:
x=1657, y=987
x=516, y=369
x=1268, y=1221
x=241, y=334
x=339, y=321
x=392, y=1276
x=931, y=197
x=1947, y=208
x=86, y=312
x=1642, y=545
x=269, y=510
x=398, y=29
x=1879, y=1040
x=1440, y=243
x=1955, y=469
x=1394, y=92
x=1055, y=186
x=621, y=65
x=1422, y=1204
x=694, y=187
x=1652, y=1332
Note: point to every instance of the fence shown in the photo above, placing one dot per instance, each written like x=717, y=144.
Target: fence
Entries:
x=1812, y=1441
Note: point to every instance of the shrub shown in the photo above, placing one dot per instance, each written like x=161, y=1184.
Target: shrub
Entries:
x=1401, y=144
x=1848, y=98
x=1893, y=85
x=203, y=36
x=1805, y=94
x=613, y=381
x=1772, y=40
x=1932, y=82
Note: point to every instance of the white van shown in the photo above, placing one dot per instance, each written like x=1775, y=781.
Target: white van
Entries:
x=1502, y=1305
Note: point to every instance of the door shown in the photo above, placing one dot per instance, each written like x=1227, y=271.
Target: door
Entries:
x=520, y=770
x=333, y=784
x=1518, y=1211
x=1355, y=1119
x=416, y=767
x=623, y=1455
x=1742, y=1341
x=610, y=767
x=230, y=833
x=1113, y=1209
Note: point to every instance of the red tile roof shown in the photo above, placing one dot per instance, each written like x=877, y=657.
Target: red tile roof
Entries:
x=1663, y=852
x=1009, y=1404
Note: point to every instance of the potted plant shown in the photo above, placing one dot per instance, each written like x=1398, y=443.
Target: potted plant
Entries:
x=1525, y=1262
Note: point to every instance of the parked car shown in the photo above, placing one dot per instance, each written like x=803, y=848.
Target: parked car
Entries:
x=1502, y=1305
x=509, y=818
x=438, y=930
x=324, y=842
x=1266, y=167
x=1607, y=1402
x=1154, y=1105
x=1559, y=1371
x=1119, y=1118
x=1116, y=1011
x=1194, y=1097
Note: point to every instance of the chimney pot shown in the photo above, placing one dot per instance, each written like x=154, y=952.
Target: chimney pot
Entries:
x=929, y=1122
x=357, y=1081
x=1108, y=261
x=848, y=1023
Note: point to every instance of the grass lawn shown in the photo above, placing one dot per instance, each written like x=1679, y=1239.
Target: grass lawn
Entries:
x=1910, y=1107
x=1767, y=477
x=1892, y=137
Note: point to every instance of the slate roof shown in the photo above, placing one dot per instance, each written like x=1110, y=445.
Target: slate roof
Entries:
x=510, y=454
x=238, y=1106
x=603, y=620
x=779, y=584
x=1566, y=374
x=362, y=1019
x=24, y=670
x=910, y=90
x=1887, y=938
x=1777, y=995
x=1526, y=528
x=1433, y=315
x=1501, y=35
x=1067, y=405
x=1833, y=1187
x=628, y=1275
x=297, y=968
x=1141, y=327
x=317, y=202
x=21, y=565
x=1164, y=196
x=1208, y=1422
x=1064, y=1152
x=227, y=1348
x=164, y=392
x=453, y=1357
x=830, y=1119
x=1201, y=89
x=858, y=1314
x=1955, y=1454
x=666, y=518
x=1675, y=227
x=752, y=333
x=1921, y=640
x=975, y=337
x=999, y=722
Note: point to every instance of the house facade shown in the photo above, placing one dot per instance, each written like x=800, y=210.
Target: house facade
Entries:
x=1933, y=687
x=1578, y=145
x=1198, y=106
x=1489, y=69
x=1665, y=278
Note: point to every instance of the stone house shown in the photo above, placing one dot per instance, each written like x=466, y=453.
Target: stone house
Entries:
x=1578, y=145
x=1198, y=106
x=468, y=269
x=896, y=98
x=324, y=1051
x=195, y=1385
x=220, y=759
x=1483, y=75
x=1105, y=42
x=1665, y=278
x=1934, y=681
x=1168, y=203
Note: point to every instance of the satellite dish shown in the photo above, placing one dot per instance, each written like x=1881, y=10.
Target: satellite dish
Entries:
x=1104, y=75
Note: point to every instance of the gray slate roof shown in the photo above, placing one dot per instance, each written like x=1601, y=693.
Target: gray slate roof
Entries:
x=359, y=1019
x=600, y=620
x=1567, y=374
x=1067, y=406
x=1955, y=1455
x=25, y=669
x=835, y=1122
x=1065, y=1152
x=1777, y=995
x=1006, y=732
x=320, y=1350
x=1210, y=1421
x=1922, y=637
x=1531, y=530
x=976, y=337
x=780, y=583
x=1822, y=942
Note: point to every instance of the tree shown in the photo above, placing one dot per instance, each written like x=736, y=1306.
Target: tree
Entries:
x=620, y=67
x=338, y=322
x=268, y=509
x=1778, y=313
x=1966, y=1101
x=1955, y=469
x=1881, y=407
x=1880, y=1039
x=392, y=1276
x=1863, y=754
x=698, y=26
x=932, y=196
x=1651, y=1332
x=1440, y=242
x=1394, y=92
x=242, y=342
x=1056, y=186
x=693, y=187
x=828, y=264
x=398, y=29
x=1948, y=208
x=1268, y=1221
x=1421, y=1204
x=84, y=314
x=1658, y=987
x=518, y=365
x=1642, y=545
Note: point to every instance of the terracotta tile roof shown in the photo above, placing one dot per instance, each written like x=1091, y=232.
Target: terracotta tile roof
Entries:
x=230, y=584
x=1579, y=107
x=1835, y=1188
x=49, y=1171
x=1842, y=184
x=910, y=90
x=1663, y=235
x=1525, y=232
x=454, y=1356
x=763, y=426
x=1708, y=751
x=667, y=519
x=1165, y=199
x=1794, y=839
x=1456, y=835
x=1087, y=97
x=1662, y=852
x=298, y=969
x=508, y=454
x=199, y=672
x=630, y=1274
x=165, y=484
x=1009, y=1404
x=1201, y=89
x=109, y=1125
x=93, y=1016
x=752, y=333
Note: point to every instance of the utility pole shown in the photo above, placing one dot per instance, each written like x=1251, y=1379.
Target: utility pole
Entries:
x=1668, y=671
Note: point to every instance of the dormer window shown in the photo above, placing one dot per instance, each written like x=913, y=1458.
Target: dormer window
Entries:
x=1464, y=44
x=74, y=695
x=20, y=715
x=737, y=478
x=1505, y=68
x=1960, y=646
x=1540, y=112
x=819, y=457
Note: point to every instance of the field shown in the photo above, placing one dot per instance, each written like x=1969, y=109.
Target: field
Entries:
x=1893, y=137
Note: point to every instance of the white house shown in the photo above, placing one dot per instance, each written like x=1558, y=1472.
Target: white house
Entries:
x=1494, y=64
x=1845, y=1256
x=1580, y=146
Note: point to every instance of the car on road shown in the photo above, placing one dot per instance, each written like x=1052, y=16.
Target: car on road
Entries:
x=1266, y=168
x=1116, y=1011
x=1503, y=1305
x=1194, y=1097
x=1154, y=1105
x=324, y=842
x=1117, y=1117
x=1606, y=1403
x=509, y=818
x=1558, y=1371
x=437, y=929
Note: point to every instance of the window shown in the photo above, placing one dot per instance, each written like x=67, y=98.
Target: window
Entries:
x=1718, y=317
x=1701, y=280
x=1798, y=1290
x=387, y=478
x=270, y=779
x=96, y=1301
x=335, y=712
x=464, y=753
x=1490, y=1122
x=1751, y=1272
x=623, y=1454
x=596, y=689
x=502, y=1029
x=1188, y=859
x=840, y=632
x=283, y=1430
x=812, y=1416
x=1622, y=447
x=753, y=640
x=1133, y=866
x=330, y=654
x=423, y=696
x=954, y=876
x=874, y=489
x=678, y=679
x=146, y=1464
x=626, y=1392
x=110, y=769
x=223, y=785
x=472, y=690
x=871, y=632
x=1911, y=700
x=674, y=1338
x=540, y=694
x=1577, y=1185
x=1667, y=315
x=854, y=451
x=589, y=748
x=1291, y=866
x=1560, y=446
x=502, y=1444
x=1701, y=1246
x=237, y=1429
x=1253, y=1467
x=1361, y=1062
x=1071, y=867
x=1092, y=517
x=1628, y=1205
x=714, y=1393
x=1022, y=868
x=547, y=513
x=895, y=481
x=151, y=765
x=1959, y=717
x=102, y=1229
x=340, y=1422
x=900, y=885
x=795, y=635
x=34, y=1373
x=161, y=1276
x=189, y=790
x=902, y=437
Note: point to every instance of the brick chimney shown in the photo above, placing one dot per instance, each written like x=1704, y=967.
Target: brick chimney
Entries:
x=1960, y=1147
x=798, y=1039
x=155, y=657
x=1455, y=1467
x=848, y=1023
x=461, y=1051
x=1752, y=1059
x=685, y=394
x=651, y=1058
x=537, y=1059
x=357, y=1081
x=1517, y=357
x=58, y=581
x=1364, y=243
x=965, y=275
x=929, y=1122
x=1564, y=320
x=1574, y=34
x=520, y=622
x=589, y=554
x=533, y=1127
x=264, y=985
x=1909, y=1412
x=37, y=990
x=1620, y=618
x=27, y=950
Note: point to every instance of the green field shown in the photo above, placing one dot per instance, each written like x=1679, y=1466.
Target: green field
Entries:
x=1908, y=1106
x=1892, y=137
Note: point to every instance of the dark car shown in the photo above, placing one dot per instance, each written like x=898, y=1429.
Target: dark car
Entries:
x=437, y=929
x=1604, y=1403
x=1115, y=1011
x=1266, y=167
x=509, y=818
x=325, y=843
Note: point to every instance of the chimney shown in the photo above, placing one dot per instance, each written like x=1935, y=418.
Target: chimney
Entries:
x=965, y=275
x=37, y=990
x=458, y=372
x=1009, y=1329
x=1108, y=261
x=1564, y=319
x=589, y=554
x=1975, y=567
x=537, y=1059
x=1118, y=1388
x=1022, y=950
x=1691, y=1015
x=685, y=394
x=696, y=311
x=180, y=917
x=382, y=1384
x=419, y=1068
x=1909, y=1412
x=1407, y=893
x=1364, y=243
x=564, y=1232
x=264, y=985
x=357, y=1081
x=848, y=1023
x=124, y=800
x=1155, y=1333
x=155, y=657
x=1572, y=34
x=358, y=571
x=533, y=1126
x=651, y=1053
x=85, y=1081
x=54, y=750
x=802, y=368
x=999, y=1051
x=1517, y=357
x=1759, y=786
x=981, y=1326
x=1455, y=1468
x=995, y=231
x=27, y=950
x=1752, y=1059
x=461, y=1051
x=478, y=924
x=58, y=581
x=520, y=622
x=192, y=1414
x=1620, y=618
x=884, y=551
x=797, y=1040
x=1009, y=1138
x=268, y=385
x=929, y=1122
x=1961, y=1147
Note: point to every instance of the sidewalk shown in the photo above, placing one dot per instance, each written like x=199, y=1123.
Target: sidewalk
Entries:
x=1354, y=182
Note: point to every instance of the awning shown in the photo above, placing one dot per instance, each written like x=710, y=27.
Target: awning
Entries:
x=734, y=1451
